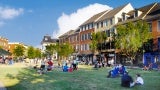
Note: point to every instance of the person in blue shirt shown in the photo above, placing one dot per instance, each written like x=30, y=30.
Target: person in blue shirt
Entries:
x=65, y=68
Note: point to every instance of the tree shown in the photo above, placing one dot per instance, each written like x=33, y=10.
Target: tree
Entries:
x=131, y=37
x=38, y=53
x=51, y=49
x=97, y=38
x=31, y=52
x=64, y=50
x=18, y=51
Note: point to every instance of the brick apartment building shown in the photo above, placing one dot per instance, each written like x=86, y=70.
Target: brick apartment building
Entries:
x=107, y=21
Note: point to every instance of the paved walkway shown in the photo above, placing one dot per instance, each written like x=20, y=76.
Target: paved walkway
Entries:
x=2, y=86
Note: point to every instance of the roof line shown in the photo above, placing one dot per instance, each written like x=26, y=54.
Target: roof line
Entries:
x=149, y=10
x=102, y=15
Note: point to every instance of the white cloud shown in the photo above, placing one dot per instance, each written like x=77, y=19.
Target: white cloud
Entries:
x=75, y=19
x=9, y=13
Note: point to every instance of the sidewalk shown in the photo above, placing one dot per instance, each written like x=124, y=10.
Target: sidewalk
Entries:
x=2, y=86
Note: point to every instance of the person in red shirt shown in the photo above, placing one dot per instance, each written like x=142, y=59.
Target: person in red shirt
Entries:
x=50, y=65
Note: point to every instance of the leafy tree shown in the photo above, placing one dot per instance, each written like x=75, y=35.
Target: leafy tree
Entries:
x=131, y=37
x=37, y=53
x=97, y=38
x=64, y=50
x=31, y=52
x=18, y=51
x=51, y=49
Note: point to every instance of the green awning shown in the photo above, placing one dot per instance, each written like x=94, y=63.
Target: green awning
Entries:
x=4, y=52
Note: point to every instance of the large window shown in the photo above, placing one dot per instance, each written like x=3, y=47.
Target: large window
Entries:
x=102, y=24
x=150, y=27
x=89, y=35
x=90, y=26
x=106, y=23
x=97, y=25
x=108, y=33
x=111, y=21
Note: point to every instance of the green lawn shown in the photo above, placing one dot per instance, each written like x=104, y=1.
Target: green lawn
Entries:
x=17, y=77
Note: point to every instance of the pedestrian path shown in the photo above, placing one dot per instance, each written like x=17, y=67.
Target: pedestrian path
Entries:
x=2, y=86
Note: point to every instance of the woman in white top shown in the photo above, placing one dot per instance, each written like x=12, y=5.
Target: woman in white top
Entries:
x=139, y=80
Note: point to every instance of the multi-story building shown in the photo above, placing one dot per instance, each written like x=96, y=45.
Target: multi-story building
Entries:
x=65, y=37
x=103, y=22
x=74, y=41
x=106, y=24
x=153, y=18
x=107, y=21
x=151, y=14
x=86, y=29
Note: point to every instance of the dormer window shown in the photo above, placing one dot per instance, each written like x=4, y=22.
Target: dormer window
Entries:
x=46, y=39
x=137, y=13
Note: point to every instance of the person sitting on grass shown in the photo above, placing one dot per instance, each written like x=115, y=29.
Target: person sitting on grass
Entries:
x=65, y=68
x=126, y=80
x=42, y=64
x=139, y=80
x=75, y=64
x=50, y=65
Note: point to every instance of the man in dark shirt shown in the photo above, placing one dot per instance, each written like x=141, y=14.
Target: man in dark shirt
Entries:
x=126, y=80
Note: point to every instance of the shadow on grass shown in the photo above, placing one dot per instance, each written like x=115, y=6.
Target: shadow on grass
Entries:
x=82, y=79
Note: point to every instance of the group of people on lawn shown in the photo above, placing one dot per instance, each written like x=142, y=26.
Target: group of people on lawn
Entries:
x=126, y=79
x=73, y=66
x=44, y=68
x=116, y=71
x=47, y=65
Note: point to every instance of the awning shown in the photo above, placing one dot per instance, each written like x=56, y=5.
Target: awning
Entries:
x=4, y=52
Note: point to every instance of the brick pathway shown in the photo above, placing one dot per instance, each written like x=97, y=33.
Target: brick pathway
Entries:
x=2, y=86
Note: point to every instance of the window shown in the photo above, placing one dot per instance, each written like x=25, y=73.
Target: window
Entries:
x=106, y=23
x=101, y=24
x=111, y=21
x=87, y=46
x=85, y=36
x=112, y=31
x=159, y=25
x=46, y=38
x=108, y=33
x=81, y=47
x=86, y=27
x=89, y=35
x=97, y=25
x=90, y=26
x=150, y=27
x=81, y=29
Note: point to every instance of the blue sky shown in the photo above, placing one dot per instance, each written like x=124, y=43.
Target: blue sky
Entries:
x=27, y=21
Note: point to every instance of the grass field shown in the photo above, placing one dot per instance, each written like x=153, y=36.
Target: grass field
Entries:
x=19, y=77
